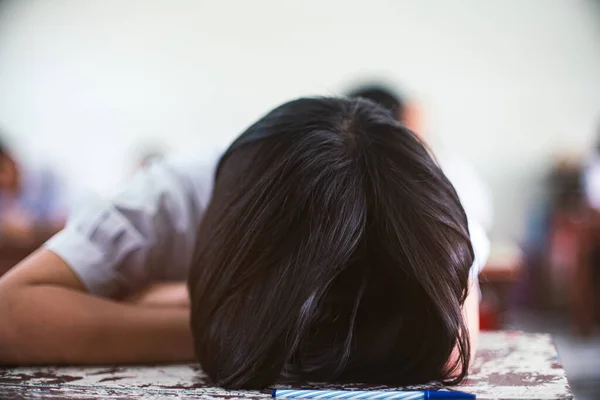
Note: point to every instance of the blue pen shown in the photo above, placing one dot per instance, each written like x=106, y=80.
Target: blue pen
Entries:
x=371, y=394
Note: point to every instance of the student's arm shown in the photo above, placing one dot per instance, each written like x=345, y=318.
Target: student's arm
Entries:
x=470, y=311
x=60, y=305
x=481, y=247
x=162, y=294
x=470, y=308
x=47, y=318
x=471, y=315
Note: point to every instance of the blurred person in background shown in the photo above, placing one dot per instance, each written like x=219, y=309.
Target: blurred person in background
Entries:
x=32, y=207
x=564, y=235
x=558, y=244
x=591, y=183
x=591, y=177
x=325, y=245
x=473, y=192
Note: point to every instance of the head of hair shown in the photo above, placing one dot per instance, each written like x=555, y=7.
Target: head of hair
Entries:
x=333, y=249
x=383, y=96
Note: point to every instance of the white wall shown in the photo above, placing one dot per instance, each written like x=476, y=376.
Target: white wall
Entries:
x=504, y=82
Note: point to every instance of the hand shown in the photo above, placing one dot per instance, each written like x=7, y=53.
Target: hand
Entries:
x=162, y=294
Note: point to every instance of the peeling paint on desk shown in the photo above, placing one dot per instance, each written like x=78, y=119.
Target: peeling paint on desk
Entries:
x=508, y=365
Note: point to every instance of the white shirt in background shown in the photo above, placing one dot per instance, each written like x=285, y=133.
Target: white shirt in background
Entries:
x=473, y=192
x=592, y=182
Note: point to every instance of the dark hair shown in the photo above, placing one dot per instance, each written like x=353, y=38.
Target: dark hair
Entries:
x=333, y=249
x=383, y=96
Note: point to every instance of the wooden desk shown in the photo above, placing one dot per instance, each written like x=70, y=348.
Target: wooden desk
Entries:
x=509, y=365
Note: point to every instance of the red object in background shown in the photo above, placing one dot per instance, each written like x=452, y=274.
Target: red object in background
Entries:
x=489, y=311
x=488, y=316
x=502, y=270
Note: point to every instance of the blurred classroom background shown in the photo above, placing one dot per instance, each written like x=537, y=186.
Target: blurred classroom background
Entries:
x=92, y=90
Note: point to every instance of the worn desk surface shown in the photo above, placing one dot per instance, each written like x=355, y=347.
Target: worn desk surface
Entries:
x=509, y=365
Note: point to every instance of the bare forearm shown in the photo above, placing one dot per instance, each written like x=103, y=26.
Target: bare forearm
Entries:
x=49, y=324
x=162, y=294
x=471, y=311
x=471, y=318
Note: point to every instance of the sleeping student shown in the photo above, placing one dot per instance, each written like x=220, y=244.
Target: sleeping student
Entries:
x=326, y=245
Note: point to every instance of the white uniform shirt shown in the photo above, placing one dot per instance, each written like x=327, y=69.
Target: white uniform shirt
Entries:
x=147, y=233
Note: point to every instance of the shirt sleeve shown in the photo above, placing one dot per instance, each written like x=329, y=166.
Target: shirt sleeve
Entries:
x=146, y=233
